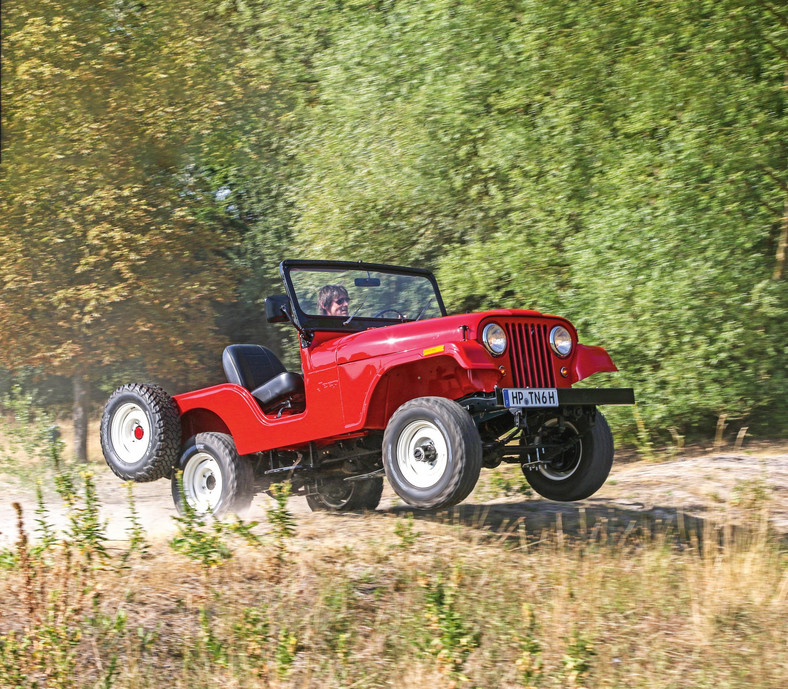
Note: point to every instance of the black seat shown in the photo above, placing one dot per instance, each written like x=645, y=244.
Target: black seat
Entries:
x=258, y=370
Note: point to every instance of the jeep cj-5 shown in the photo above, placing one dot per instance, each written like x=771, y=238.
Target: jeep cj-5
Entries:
x=391, y=386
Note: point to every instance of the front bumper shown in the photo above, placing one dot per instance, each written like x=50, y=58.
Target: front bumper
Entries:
x=584, y=397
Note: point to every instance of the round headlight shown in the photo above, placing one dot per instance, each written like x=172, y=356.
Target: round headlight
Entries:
x=494, y=338
x=561, y=341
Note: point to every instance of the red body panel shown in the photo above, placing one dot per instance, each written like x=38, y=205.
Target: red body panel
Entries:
x=355, y=382
x=589, y=360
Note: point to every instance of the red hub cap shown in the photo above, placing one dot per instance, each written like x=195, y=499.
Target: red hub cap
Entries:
x=139, y=432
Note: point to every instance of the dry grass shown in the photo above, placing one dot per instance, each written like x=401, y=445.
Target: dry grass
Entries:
x=379, y=600
x=467, y=598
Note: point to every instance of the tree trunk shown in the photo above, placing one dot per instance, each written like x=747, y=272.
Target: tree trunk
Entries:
x=80, y=418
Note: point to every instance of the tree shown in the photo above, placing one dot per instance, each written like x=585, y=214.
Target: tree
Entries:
x=113, y=248
x=622, y=163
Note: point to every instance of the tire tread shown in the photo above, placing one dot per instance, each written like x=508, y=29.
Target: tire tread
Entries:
x=166, y=431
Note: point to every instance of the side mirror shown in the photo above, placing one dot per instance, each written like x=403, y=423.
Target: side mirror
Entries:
x=277, y=309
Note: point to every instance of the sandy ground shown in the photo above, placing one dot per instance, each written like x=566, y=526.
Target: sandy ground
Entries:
x=710, y=486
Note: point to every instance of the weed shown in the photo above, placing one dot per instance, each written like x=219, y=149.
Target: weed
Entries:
x=137, y=541
x=14, y=655
x=203, y=538
x=752, y=494
x=644, y=444
x=214, y=648
x=403, y=529
x=252, y=634
x=281, y=520
x=8, y=559
x=451, y=638
x=86, y=530
x=30, y=432
x=147, y=639
x=45, y=531
x=529, y=662
x=577, y=661
x=509, y=486
x=44, y=652
x=198, y=542
x=285, y=653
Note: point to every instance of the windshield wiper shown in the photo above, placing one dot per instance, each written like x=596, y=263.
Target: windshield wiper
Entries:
x=350, y=318
x=423, y=309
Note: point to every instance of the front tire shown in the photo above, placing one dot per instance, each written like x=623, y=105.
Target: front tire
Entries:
x=337, y=495
x=215, y=478
x=432, y=452
x=581, y=469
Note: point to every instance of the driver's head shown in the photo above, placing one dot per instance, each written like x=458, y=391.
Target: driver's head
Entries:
x=332, y=300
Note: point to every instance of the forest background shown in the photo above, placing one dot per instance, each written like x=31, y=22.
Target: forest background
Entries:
x=623, y=163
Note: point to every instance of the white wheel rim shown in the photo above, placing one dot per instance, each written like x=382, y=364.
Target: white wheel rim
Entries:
x=130, y=433
x=422, y=454
x=202, y=482
x=557, y=475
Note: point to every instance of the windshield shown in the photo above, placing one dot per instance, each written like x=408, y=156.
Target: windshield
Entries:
x=348, y=293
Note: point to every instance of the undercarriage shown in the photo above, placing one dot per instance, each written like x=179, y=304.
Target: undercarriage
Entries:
x=311, y=468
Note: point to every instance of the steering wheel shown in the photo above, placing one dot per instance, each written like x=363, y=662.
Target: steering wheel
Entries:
x=399, y=313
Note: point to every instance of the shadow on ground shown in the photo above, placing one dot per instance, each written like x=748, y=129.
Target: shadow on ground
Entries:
x=530, y=521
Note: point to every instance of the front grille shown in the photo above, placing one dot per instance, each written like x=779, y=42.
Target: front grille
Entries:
x=529, y=355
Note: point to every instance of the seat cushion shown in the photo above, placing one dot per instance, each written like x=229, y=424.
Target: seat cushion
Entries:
x=278, y=389
x=250, y=365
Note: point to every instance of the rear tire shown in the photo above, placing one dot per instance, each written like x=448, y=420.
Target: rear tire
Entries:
x=215, y=478
x=141, y=432
x=432, y=452
x=579, y=471
x=338, y=495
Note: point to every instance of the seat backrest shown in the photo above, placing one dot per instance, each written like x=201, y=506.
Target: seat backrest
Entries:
x=250, y=365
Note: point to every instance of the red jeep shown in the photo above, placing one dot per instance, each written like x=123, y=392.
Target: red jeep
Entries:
x=391, y=386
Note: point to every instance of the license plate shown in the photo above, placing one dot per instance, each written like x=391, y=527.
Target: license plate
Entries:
x=530, y=397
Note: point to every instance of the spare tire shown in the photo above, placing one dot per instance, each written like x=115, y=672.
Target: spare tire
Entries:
x=141, y=432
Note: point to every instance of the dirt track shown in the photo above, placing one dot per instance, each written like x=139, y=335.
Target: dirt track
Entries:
x=709, y=486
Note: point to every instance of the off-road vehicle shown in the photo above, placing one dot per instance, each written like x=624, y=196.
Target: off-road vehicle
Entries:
x=390, y=386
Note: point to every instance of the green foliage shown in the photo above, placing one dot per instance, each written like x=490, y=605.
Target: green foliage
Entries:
x=251, y=635
x=285, y=652
x=620, y=163
x=47, y=537
x=280, y=519
x=752, y=494
x=213, y=647
x=87, y=532
x=137, y=541
x=577, y=661
x=204, y=539
x=501, y=482
x=403, y=529
x=529, y=663
x=29, y=432
x=451, y=637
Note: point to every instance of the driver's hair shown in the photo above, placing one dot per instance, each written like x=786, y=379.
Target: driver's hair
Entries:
x=327, y=295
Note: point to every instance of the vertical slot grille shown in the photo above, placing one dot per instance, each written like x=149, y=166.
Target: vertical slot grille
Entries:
x=529, y=354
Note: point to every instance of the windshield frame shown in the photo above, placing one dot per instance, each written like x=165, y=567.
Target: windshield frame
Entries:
x=311, y=323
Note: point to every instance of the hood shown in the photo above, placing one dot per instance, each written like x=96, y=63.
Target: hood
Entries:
x=417, y=335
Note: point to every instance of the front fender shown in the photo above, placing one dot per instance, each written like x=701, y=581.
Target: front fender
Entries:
x=590, y=360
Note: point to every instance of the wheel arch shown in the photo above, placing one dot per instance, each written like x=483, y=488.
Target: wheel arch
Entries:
x=435, y=376
x=201, y=420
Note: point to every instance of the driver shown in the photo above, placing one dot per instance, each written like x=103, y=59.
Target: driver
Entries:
x=333, y=300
